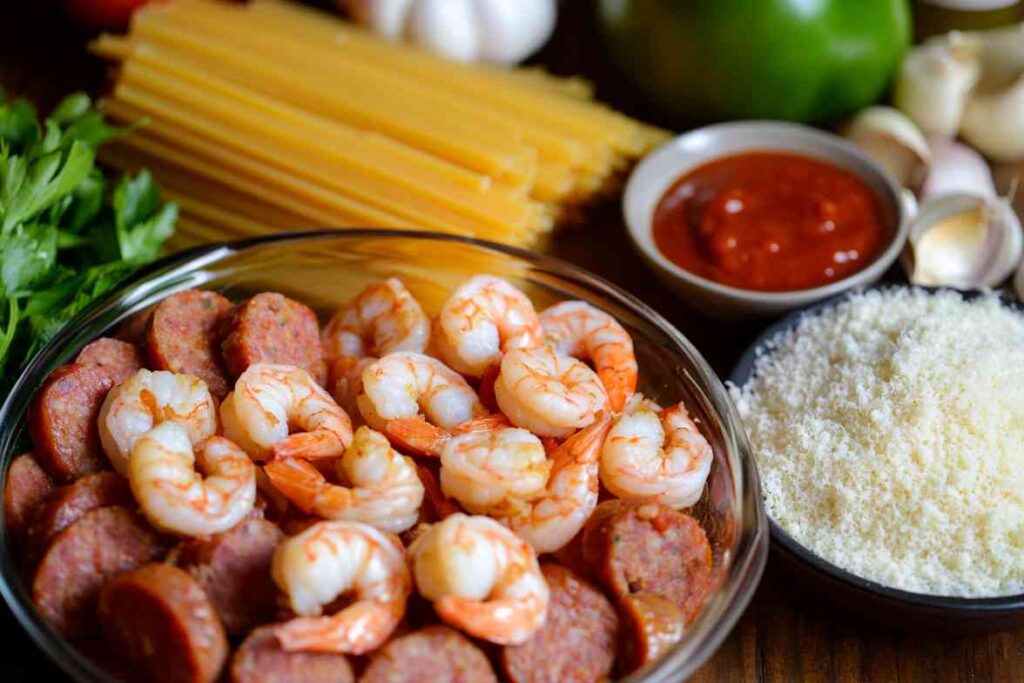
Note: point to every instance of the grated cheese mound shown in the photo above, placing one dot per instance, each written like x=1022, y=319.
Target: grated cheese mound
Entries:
x=889, y=434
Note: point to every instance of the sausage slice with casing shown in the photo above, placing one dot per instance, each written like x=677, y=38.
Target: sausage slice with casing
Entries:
x=438, y=654
x=578, y=639
x=260, y=659
x=159, y=618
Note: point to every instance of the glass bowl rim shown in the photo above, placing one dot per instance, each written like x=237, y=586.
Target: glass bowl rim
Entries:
x=746, y=565
x=743, y=372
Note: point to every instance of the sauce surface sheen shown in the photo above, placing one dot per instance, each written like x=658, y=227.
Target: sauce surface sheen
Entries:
x=769, y=221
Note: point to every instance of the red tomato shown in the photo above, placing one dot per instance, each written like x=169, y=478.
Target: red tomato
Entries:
x=105, y=14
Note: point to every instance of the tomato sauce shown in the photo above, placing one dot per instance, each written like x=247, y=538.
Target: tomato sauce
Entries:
x=769, y=221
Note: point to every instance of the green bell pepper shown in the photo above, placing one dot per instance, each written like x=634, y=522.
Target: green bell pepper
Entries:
x=800, y=60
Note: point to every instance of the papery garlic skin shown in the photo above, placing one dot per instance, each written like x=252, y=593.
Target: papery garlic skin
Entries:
x=893, y=140
x=934, y=82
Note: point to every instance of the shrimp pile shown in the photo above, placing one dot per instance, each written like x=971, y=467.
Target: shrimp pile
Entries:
x=445, y=456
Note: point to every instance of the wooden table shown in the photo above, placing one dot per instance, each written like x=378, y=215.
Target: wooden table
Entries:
x=783, y=636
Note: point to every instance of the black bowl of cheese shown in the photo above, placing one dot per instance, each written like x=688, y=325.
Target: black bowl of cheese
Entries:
x=888, y=428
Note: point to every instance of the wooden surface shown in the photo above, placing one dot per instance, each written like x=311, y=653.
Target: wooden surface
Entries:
x=784, y=635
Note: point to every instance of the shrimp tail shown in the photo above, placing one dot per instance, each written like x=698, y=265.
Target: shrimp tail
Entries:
x=504, y=621
x=318, y=443
x=619, y=383
x=486, y=423
x=585, y=445
x=551, y=445
x=416, y=435
x=357, y=629
x=302, y=484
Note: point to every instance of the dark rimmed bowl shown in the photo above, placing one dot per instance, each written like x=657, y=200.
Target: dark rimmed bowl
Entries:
x=325, y=269
x=866, y=599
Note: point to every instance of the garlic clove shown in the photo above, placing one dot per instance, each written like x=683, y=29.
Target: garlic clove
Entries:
x=934, y=81
x=957, y=168
x=994, y=121
x=892, y=139
x=963, y=241
x=1002, y=55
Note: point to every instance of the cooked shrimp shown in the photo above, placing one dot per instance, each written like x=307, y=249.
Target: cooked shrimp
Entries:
x=345, y=382
x=420, y=437
x=482, y=319
x=147, y=399
x=548, y=393
x=577, y=329
x=381, y=319
x=658, y=454
x=386, y=491
x=176, y=498
x=332, y=559
x=482, y=578
x=482, y=470
x=269, y=400
x=401, y=384
x=569, y=497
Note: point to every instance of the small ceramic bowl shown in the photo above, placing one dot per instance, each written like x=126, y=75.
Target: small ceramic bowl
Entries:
x=659, y=170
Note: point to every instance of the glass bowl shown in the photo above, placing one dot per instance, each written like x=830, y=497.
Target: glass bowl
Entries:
x=324, y=269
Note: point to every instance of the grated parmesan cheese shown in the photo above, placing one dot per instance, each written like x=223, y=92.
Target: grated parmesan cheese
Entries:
x=889, y=434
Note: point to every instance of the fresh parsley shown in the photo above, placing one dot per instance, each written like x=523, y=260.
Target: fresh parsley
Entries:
x=68, y=232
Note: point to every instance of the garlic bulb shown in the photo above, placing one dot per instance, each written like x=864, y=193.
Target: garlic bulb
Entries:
x=956, y=168
x=495, y=31
x=934, y=81
x=889, y=137
x=963, y=241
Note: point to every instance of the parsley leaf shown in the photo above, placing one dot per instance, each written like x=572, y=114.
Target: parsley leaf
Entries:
x=68, y=233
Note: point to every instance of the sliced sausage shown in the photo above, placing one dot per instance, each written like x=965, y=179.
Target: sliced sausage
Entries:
x=650, y=626
x=234, y=569
x=271, y=328
x=26, y=489
x=435, y=653
x=643, y=547
x=260, y=659
x=118, y=357
x=159, y=618
x=100, y=545
x=578, y=639
x=70, y=503
x=62, y=421
x=184, y=336
x=133, y=330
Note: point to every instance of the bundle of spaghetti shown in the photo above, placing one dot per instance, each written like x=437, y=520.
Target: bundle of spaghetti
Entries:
x=271, y=116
